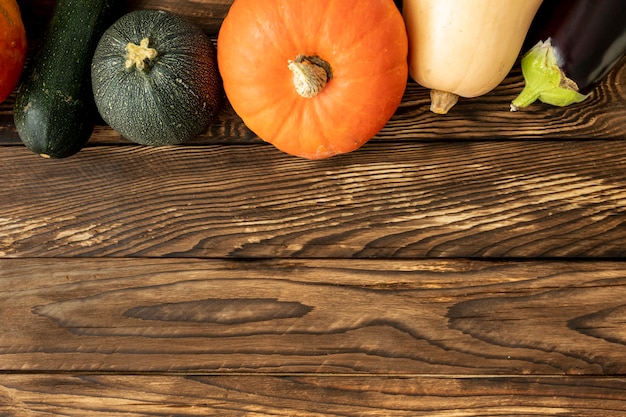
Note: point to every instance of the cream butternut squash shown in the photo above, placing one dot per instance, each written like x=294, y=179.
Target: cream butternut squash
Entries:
x=464, y=47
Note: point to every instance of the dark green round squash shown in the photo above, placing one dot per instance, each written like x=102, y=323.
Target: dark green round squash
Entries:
x=155, y=78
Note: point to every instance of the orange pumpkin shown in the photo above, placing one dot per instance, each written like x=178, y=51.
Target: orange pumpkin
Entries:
x=12, y=47
x=315, y=78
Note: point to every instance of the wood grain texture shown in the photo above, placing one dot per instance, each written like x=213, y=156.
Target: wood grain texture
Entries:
x=462, y=265
x=308, y=396
x=471, y=199
x=448, y=317
x=602, y=116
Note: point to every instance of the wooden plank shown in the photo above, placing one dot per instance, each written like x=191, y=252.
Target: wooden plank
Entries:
x=473, y=199
x=446, y=317
x=104, y=395
x=488, y=117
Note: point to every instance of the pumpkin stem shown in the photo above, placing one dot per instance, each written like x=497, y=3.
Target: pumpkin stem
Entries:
x=137, y=55
x=310, y=74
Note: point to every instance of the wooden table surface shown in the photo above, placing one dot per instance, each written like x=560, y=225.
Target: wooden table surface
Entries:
x=462, y=265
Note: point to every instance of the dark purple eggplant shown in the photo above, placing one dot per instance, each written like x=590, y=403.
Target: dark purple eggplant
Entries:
x=575, y=45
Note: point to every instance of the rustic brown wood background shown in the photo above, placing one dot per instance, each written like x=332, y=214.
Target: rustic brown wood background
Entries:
x=462, y=265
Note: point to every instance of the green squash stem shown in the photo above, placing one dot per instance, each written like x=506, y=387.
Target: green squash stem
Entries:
x=310, y=75
x=138, y=55
x=545, y=81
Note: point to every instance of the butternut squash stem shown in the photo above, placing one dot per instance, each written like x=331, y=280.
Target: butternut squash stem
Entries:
x=138, y=55
x=310, y=75
x=442, y=101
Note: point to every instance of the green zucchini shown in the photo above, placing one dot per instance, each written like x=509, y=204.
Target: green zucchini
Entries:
x=54, y=109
